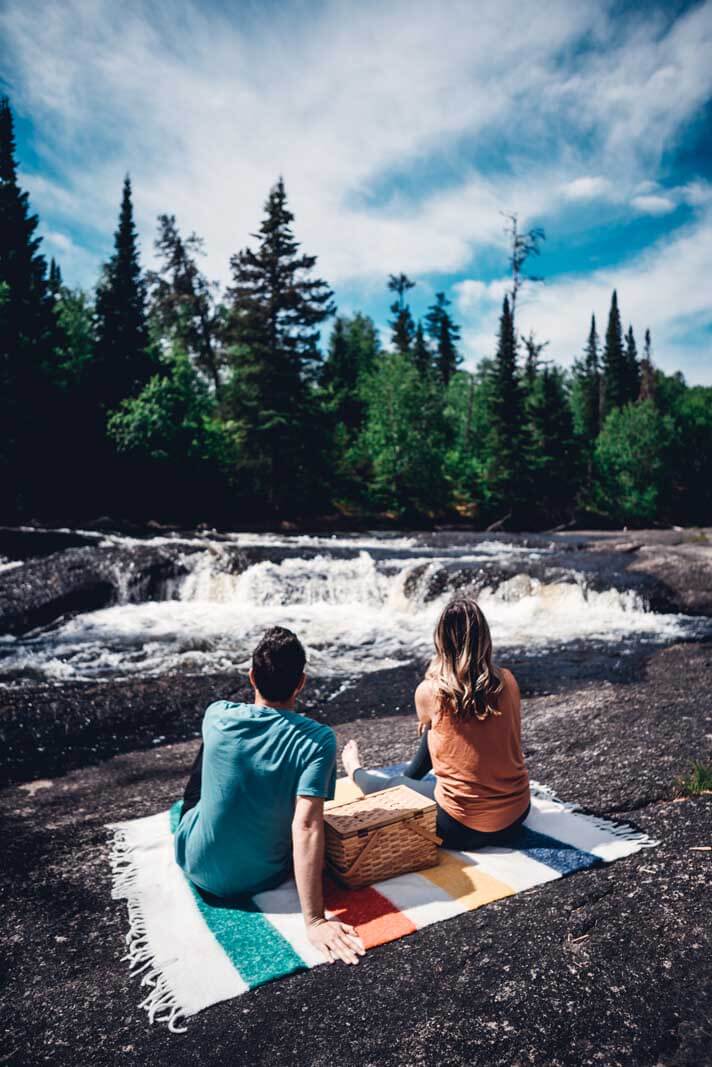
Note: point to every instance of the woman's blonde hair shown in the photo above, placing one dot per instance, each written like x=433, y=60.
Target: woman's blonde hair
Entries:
x=465, y=676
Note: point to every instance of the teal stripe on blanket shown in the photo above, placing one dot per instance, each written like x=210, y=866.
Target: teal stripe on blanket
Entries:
x=255, y=948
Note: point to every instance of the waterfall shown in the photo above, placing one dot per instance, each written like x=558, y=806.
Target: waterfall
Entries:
x=358, y=604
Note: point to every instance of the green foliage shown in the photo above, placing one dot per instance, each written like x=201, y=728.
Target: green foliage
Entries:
x=421, y=355
x=698, y=781
x=402, y=325
x=445, y=335
x=404, y=438
x=170, y=433
x=586, y=389
x=27, y=335
x=691, y=411
x=506, y=471
x=75, y=344
x=352, y=354
x=183, y=304
x=621, y=372
x=554, y=455
x=170, y=419
x=276, y=309
x=632, y=463
x=466, y=415
x=123, y=362
x=162, y=399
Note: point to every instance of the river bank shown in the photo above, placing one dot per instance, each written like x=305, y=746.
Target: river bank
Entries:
x=609, y=967
x=612, y=967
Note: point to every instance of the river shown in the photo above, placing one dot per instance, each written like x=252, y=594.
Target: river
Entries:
x=359, y=603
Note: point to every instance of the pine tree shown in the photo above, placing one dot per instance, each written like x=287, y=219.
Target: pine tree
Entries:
x=353, y=348
x=647, y=371
x=587, y=388
x=553, y=454
x=532, y=360
x=506, y=476
x=614, y=366
x=183, y=302
x=54, y=283
x=421, y=356
x=123, y=363
x=26, y=335
x=445, y=335
x=402, y=325
x=632, y=367
x=276, y=309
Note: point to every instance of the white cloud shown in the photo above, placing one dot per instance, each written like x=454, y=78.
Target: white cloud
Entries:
x=205, y=106
x=653, y=204
x=472, y=293
x=588, y=188
x=59, y=241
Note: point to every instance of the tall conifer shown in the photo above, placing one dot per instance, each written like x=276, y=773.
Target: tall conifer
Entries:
x=647, y=371
x=614, y=366
x=632, y=367
x=445, y=335
x=402, y=325
x=123, y=363
x=26, y=333
x=421, y=352
x=276, y=309
x=183, y=302
x=506, y=476
x=587, y=388
x=553, y=465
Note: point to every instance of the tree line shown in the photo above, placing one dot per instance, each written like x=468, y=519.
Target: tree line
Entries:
x=160, y=396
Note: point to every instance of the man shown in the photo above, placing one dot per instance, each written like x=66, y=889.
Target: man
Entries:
x=254, y=804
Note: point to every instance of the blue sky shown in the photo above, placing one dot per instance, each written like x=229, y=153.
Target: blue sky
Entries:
x=403, y=132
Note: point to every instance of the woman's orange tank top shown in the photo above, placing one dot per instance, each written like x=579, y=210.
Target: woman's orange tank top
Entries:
x=481, y=777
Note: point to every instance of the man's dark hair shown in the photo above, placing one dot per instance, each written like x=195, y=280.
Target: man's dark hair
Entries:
x=278, y=663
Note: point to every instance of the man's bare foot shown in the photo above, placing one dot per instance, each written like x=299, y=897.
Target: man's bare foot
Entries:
x=350, y=758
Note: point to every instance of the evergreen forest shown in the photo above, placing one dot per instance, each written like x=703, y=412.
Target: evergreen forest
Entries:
x=162, y=396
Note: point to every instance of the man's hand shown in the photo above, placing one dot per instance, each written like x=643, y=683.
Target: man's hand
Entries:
x=337, y=940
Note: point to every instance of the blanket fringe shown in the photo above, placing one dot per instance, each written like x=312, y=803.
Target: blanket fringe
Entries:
x=160, y=1004
x=624, y=831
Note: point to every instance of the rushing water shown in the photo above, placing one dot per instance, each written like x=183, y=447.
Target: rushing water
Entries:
x=359, y=604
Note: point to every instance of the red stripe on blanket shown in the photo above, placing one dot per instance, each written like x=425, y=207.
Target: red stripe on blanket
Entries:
x=374, y=916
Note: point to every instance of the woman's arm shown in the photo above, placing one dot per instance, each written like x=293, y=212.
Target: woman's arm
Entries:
x=425, y=704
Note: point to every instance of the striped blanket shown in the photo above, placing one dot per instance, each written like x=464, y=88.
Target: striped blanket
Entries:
x=192, y=954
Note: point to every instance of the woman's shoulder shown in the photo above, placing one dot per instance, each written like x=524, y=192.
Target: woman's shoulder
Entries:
x=427, y=688
x=426, y=693
x=508, y=681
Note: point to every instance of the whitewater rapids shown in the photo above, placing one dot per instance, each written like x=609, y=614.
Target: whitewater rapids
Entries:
x=369, y=610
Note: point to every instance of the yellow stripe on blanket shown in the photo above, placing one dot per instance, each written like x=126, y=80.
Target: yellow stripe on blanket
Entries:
x=465, y=881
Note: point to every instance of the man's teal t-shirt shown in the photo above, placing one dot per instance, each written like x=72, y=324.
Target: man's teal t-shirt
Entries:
x=256, y=761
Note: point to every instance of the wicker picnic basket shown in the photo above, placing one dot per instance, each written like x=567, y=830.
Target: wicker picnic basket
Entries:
x=381, y=835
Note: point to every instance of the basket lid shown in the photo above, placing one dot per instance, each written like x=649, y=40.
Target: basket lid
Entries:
x=377, y=809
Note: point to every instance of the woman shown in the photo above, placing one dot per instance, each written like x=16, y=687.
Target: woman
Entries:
x=469, y=721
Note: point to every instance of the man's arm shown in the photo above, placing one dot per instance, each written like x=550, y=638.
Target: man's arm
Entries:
x=336, y=940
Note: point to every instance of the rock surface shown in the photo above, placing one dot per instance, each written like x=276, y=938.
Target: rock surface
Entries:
x=609, y=967
x=82, y=579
